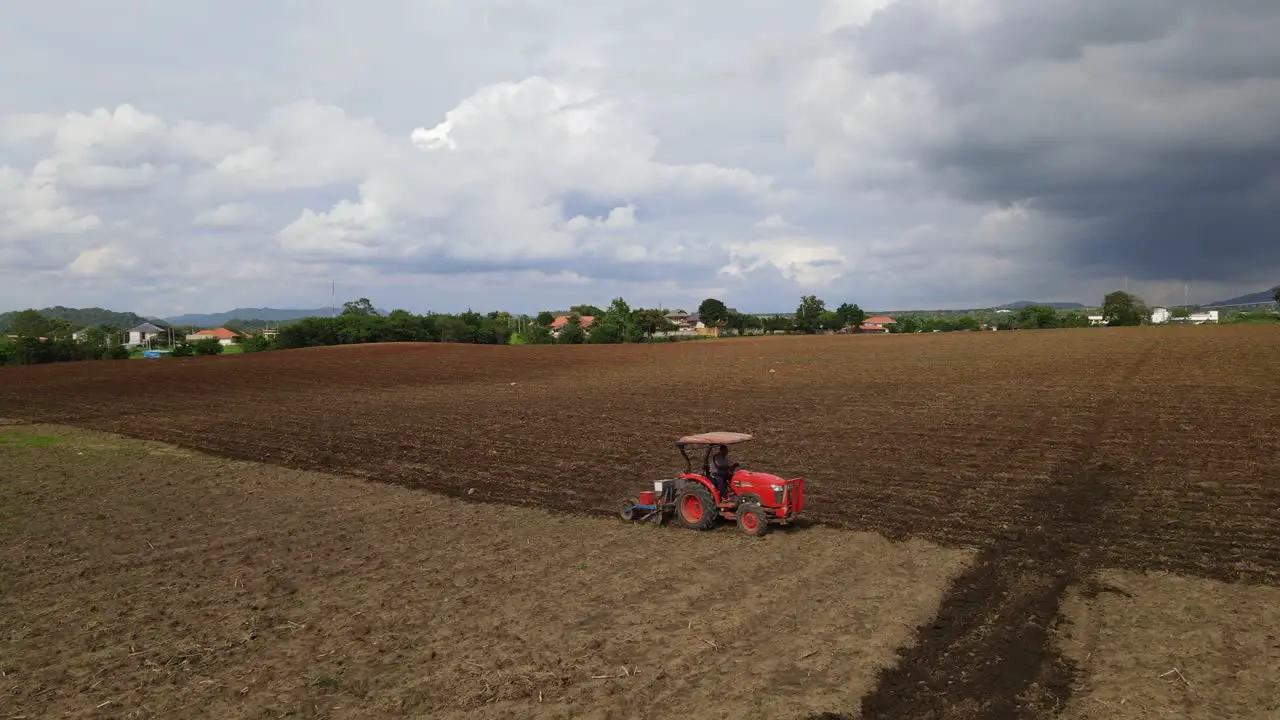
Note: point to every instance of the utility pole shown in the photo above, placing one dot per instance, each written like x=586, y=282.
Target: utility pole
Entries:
x=333, y=298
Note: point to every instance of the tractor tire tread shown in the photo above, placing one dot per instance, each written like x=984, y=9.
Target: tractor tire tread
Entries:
x=762, y=526
x=710, y=513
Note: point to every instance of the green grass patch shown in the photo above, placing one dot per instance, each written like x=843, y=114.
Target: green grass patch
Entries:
x=18, y=439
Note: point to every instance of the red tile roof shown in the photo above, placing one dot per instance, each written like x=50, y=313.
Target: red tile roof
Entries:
x=584, y=321
x=219, y=333
x=879, y=320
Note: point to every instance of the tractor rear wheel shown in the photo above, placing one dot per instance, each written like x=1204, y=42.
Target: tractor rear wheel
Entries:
x=628, y=509
x=752, y=520
x=695, y=508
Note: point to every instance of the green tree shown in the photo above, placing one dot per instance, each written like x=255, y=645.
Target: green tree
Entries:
x=1122, y=308
x=116, y=352
x=1037, y=317
x=1180, y=312
x=1073, y=320
x=545, y=318
x=906, y=324
x=809, y=314
x=402, y=326
x=207, y=346
x=572, y=333
x=451, y=328
x=712, y=312
x=739, y=322
x=616, y=325
x=651, y=321
x=258, y=343
x=1275, y=294
x=29, y=324
x=851, y=315
x=586, y=310
x=830, y=320
x=776, y=323
x=95, y=337
x=358, y=307
x=538, y=334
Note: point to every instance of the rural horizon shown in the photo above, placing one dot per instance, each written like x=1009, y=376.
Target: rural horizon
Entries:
x=1247, y=299
x=1005, y=502
x=818, y=360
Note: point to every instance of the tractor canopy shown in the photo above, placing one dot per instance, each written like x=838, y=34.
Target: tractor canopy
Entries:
x=712, y=438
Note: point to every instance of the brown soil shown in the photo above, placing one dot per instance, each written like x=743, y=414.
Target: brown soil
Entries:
x=1055, y=453
x=144, y=581
x=1154, y=645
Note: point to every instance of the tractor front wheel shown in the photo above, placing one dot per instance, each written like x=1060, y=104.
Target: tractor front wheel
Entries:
x=752, y=520
x=695, y=508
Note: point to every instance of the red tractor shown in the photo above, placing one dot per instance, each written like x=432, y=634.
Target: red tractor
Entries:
x=753, y=499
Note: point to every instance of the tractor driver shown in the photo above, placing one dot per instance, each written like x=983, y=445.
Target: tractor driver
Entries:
x=721, y=470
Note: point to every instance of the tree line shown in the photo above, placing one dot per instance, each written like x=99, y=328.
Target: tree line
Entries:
x=39, y=338
x=32, y=338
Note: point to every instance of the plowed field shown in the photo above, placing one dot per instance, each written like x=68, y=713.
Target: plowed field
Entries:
x=1054, y=453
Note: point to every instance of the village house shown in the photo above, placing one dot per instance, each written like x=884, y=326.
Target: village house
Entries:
x=222, y=335
x=562, y=321
x=143, y=334
x=678, y=319
x=877, y=325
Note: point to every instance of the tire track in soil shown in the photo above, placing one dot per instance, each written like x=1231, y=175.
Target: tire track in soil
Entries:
x=988, y=652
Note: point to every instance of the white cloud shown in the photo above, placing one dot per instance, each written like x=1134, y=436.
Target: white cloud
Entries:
x=618, y=218
x=802, y=260
x=102, y=260
x=845, y=13
x=226, y=215
x=773, y=222
x=487, y=184
x=34, y=206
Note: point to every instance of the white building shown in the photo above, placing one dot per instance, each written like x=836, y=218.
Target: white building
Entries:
x=1160, y=315
x=1096, y=320
x=1200, y=318
x=143, y=334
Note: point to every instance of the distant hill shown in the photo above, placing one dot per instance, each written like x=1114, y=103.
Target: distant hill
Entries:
x=1258, y=298
x=84, y=316
x=267, y=314
x=1055, y=305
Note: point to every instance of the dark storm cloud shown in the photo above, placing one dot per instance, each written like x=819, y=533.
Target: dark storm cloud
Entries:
x=1153, y=125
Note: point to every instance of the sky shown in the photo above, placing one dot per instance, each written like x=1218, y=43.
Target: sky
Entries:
x=164, y=157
